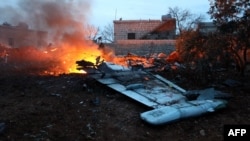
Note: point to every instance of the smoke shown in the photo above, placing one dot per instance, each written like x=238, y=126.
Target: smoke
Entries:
x=64, y=21
x=61, y=18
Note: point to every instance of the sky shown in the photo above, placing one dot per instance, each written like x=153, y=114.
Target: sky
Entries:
x=103, y=12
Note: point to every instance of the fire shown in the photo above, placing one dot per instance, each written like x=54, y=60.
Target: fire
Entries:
x=79, y=54
x=67, y=55
x=133, y=60
x=68, y=37
x=59, y=59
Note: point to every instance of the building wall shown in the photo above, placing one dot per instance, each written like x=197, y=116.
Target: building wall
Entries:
x=207, y=27
x=21, y=35
x=140, y=27
x=142, y=47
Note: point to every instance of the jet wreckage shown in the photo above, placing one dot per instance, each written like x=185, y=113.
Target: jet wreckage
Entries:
x=168, y=101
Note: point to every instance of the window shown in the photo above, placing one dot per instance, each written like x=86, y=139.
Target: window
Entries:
x=11, y=42
x=131, y=35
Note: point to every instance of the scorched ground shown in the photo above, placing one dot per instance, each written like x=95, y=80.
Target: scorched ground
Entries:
x=75, y=107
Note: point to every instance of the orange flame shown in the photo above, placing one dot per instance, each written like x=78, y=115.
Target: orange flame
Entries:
x=68, y=33
x=67, y=56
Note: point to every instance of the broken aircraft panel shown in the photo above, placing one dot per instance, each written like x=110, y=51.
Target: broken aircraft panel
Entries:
x=167, y=99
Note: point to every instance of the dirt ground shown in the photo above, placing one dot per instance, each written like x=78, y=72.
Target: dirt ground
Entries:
x=73, y=107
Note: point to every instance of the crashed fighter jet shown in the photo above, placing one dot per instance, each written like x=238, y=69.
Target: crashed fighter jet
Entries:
x=168, y=101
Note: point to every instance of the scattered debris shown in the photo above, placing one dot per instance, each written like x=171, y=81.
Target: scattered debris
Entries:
x=96, y=101
x=232, y=83
x=209, y=93
x=117, y=118
x=2, y=127
x=168, y=100
x=91, y=131
x=202, y=132
x=58, y=95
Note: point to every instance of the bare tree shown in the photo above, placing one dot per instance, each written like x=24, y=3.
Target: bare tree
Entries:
x=91, y=32
x=185, y=20
x=108, y=34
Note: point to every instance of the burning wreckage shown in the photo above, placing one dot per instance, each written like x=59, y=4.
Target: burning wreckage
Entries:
x=168, y=101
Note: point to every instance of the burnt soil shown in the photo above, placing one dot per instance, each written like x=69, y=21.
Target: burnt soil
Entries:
x=74, y=107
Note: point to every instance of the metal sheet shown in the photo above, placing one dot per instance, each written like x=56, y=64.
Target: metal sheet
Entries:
x=122, y=89
x=107, y=81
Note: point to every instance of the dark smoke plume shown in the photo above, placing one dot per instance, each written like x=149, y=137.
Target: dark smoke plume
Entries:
x=63, y=20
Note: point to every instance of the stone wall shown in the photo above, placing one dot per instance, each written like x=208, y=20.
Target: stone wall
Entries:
x=142, y=47
x=21, y=35
x=141, y=28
